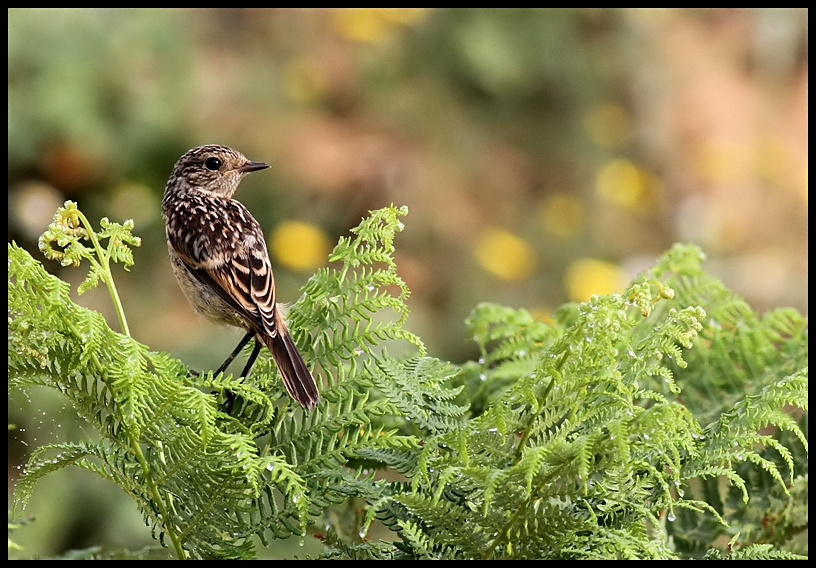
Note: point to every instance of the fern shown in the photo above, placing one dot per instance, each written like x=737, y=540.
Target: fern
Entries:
x=646, y=424
x=207, y=482
x=584, y=446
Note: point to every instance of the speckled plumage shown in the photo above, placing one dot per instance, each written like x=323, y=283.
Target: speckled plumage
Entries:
x=219, y=258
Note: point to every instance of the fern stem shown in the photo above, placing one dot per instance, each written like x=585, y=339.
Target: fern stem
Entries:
x=104, y=256
x=137, y=450
x=104, y=261
x=528, y=430
x=521, y=511
x=157, y=498
x=519, y=451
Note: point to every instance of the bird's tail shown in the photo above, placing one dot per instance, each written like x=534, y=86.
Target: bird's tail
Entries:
x=299, y=382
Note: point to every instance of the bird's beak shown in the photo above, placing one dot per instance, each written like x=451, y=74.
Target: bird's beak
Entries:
x=253, y=167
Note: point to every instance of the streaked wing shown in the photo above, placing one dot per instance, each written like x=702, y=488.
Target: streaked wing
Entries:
x=240, y=273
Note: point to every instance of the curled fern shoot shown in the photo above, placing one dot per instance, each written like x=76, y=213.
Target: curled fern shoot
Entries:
x=64, y=241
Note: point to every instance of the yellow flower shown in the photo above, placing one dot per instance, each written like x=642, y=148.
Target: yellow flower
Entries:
x=587, y=276
x=371, y=25
x=504, y=254
x=299, y=246
x=623, y=183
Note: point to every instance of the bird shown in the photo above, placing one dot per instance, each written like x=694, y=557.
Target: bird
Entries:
x=219, y=258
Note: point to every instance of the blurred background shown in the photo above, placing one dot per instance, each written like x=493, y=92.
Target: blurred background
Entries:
x=544, y=155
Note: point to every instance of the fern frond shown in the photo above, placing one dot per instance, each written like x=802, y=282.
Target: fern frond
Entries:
x=209, y=487
x=451, y=524
x=590, y=433
x=416, y=388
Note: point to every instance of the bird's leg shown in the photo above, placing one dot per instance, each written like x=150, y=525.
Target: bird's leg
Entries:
x=230, y=396
x=251, y=360
x=234, y=354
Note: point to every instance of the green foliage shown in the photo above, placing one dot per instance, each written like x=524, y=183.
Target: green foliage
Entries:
x=585, y=445
x=648, y=424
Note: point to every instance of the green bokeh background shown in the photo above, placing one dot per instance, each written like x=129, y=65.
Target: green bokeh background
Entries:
x=543, y=154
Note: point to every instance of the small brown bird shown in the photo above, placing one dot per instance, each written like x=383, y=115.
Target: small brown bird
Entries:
x=219, y=257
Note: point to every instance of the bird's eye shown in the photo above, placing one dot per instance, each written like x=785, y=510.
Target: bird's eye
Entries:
x=212, y=163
